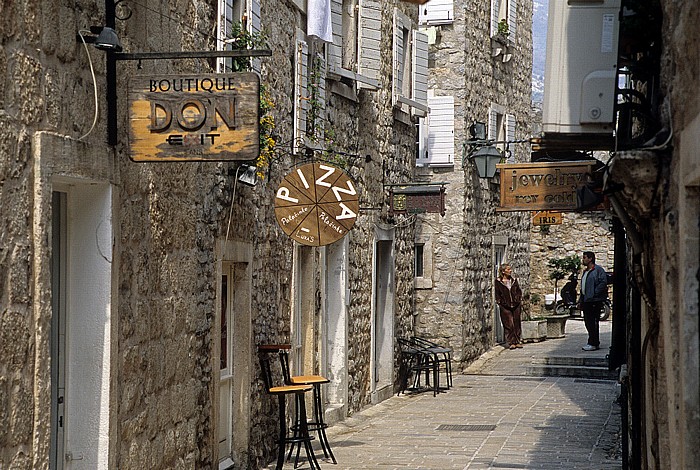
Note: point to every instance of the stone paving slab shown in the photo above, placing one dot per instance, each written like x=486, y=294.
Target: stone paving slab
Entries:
x=537, y=422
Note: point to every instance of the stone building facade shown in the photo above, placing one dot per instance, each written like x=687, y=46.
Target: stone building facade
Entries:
x=475, y=76
x=134, y=294
x=578, y=232
x=659, y=207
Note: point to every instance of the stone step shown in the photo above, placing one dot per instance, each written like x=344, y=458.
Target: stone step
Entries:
x=588, y=372
x=572, y=361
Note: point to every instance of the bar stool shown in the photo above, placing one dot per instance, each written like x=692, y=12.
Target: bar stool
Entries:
x=318, y=424
x=301, y=430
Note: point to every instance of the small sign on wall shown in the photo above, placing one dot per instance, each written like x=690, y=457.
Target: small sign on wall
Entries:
x=198, y=117
x=547, y=218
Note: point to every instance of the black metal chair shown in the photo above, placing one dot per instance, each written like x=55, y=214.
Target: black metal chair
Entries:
x=443, y=353
x=301, y=434
x=415, y=362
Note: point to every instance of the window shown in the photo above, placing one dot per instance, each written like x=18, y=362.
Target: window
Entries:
x=504, y=10
x=501, y=128
x=355, y=54
x=231, y=12
x=419, y=259
x=301, y=101
x=436, y=12
x=436, y=144
x=410, y=85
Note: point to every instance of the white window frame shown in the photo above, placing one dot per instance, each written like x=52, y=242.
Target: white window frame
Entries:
x=234, y=11
x=501, y=127
x=436, y=12
x=504, y=10
x=355, y=52
x=410, y=64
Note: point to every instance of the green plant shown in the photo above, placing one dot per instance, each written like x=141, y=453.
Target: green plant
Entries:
x=544, y=229
x=240, y=38
x=535, y=299
x=561, y=267
x=503, y=29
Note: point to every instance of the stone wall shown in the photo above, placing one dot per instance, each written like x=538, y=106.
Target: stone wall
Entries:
x=579, y=232
x=168, y=220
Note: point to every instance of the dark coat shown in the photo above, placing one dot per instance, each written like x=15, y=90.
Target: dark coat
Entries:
x=509, y=299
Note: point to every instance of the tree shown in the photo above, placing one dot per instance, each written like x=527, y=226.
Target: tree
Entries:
x=562, y=267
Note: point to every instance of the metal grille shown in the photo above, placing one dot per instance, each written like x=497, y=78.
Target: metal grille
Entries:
x=526, y=379
x=594, y=381
x=466, y=427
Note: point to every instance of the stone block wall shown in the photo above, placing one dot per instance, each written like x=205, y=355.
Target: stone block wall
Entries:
x=579, y=232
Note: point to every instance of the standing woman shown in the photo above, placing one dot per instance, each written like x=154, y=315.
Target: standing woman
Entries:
x=509, y=298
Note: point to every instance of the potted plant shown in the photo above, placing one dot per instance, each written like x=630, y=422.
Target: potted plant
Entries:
x=534, y=327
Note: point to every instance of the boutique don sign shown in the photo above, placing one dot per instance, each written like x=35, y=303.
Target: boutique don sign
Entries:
x=202, y=117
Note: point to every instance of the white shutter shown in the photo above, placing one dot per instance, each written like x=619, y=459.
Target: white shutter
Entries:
x=510, y=133
x=494, y=16
x=441, y=140
x=368, y=51
x=512, y=18
x=254, y=26
x=492, y=131
x=335, y=56
x=420, y=68
x=301, y=67
x=436, y=12
x=399, y=51
x=422, y=158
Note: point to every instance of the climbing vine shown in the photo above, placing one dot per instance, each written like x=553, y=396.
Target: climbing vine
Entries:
x=240, y=38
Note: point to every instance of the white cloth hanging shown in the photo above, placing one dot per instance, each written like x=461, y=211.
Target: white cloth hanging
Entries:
x=318, y=19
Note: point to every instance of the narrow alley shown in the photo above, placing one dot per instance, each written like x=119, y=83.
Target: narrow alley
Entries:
x=503, y=413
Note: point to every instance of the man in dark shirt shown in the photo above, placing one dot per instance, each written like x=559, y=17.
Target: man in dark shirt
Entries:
x=594, y=291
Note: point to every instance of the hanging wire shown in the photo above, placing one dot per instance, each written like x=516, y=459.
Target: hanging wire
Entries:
x=94, y=82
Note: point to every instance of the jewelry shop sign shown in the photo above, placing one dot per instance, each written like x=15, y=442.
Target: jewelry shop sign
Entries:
x=317, y=204
x=196, y=117
x=542, y=186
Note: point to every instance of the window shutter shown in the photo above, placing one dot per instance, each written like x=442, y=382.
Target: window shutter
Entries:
x=510, y=133
x=436, y=12
x=399, y=57
x=335, y=56
x=370, y=22
x=492, y=132
x=494, y=16
x=301, y=64
x=420, y=68
x=512, y=19
x=441, y=141
x=422, y=144
x=254, y=26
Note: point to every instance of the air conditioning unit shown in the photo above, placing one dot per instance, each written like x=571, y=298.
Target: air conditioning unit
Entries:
x=581, y=71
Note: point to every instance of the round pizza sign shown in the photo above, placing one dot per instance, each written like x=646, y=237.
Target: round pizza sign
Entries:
x=316, y=204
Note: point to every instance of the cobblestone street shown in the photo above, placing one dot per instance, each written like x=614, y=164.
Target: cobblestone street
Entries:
x=497, y=416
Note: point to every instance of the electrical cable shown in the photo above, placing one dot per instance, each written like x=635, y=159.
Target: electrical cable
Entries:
x=94, y=83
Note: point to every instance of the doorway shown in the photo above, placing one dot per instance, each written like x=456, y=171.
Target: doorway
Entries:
x=383, y=317
x=82, y=245
x=499, y=255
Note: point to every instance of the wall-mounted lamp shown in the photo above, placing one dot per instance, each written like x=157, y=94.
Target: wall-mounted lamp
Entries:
x=104, y=38
x=486, y=158
x=249, y=177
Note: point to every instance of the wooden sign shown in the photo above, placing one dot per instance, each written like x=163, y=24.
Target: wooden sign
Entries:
x=542, y=186
x=202, y=117
x=317, y=204
x=547, y=218
x=418, y=199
